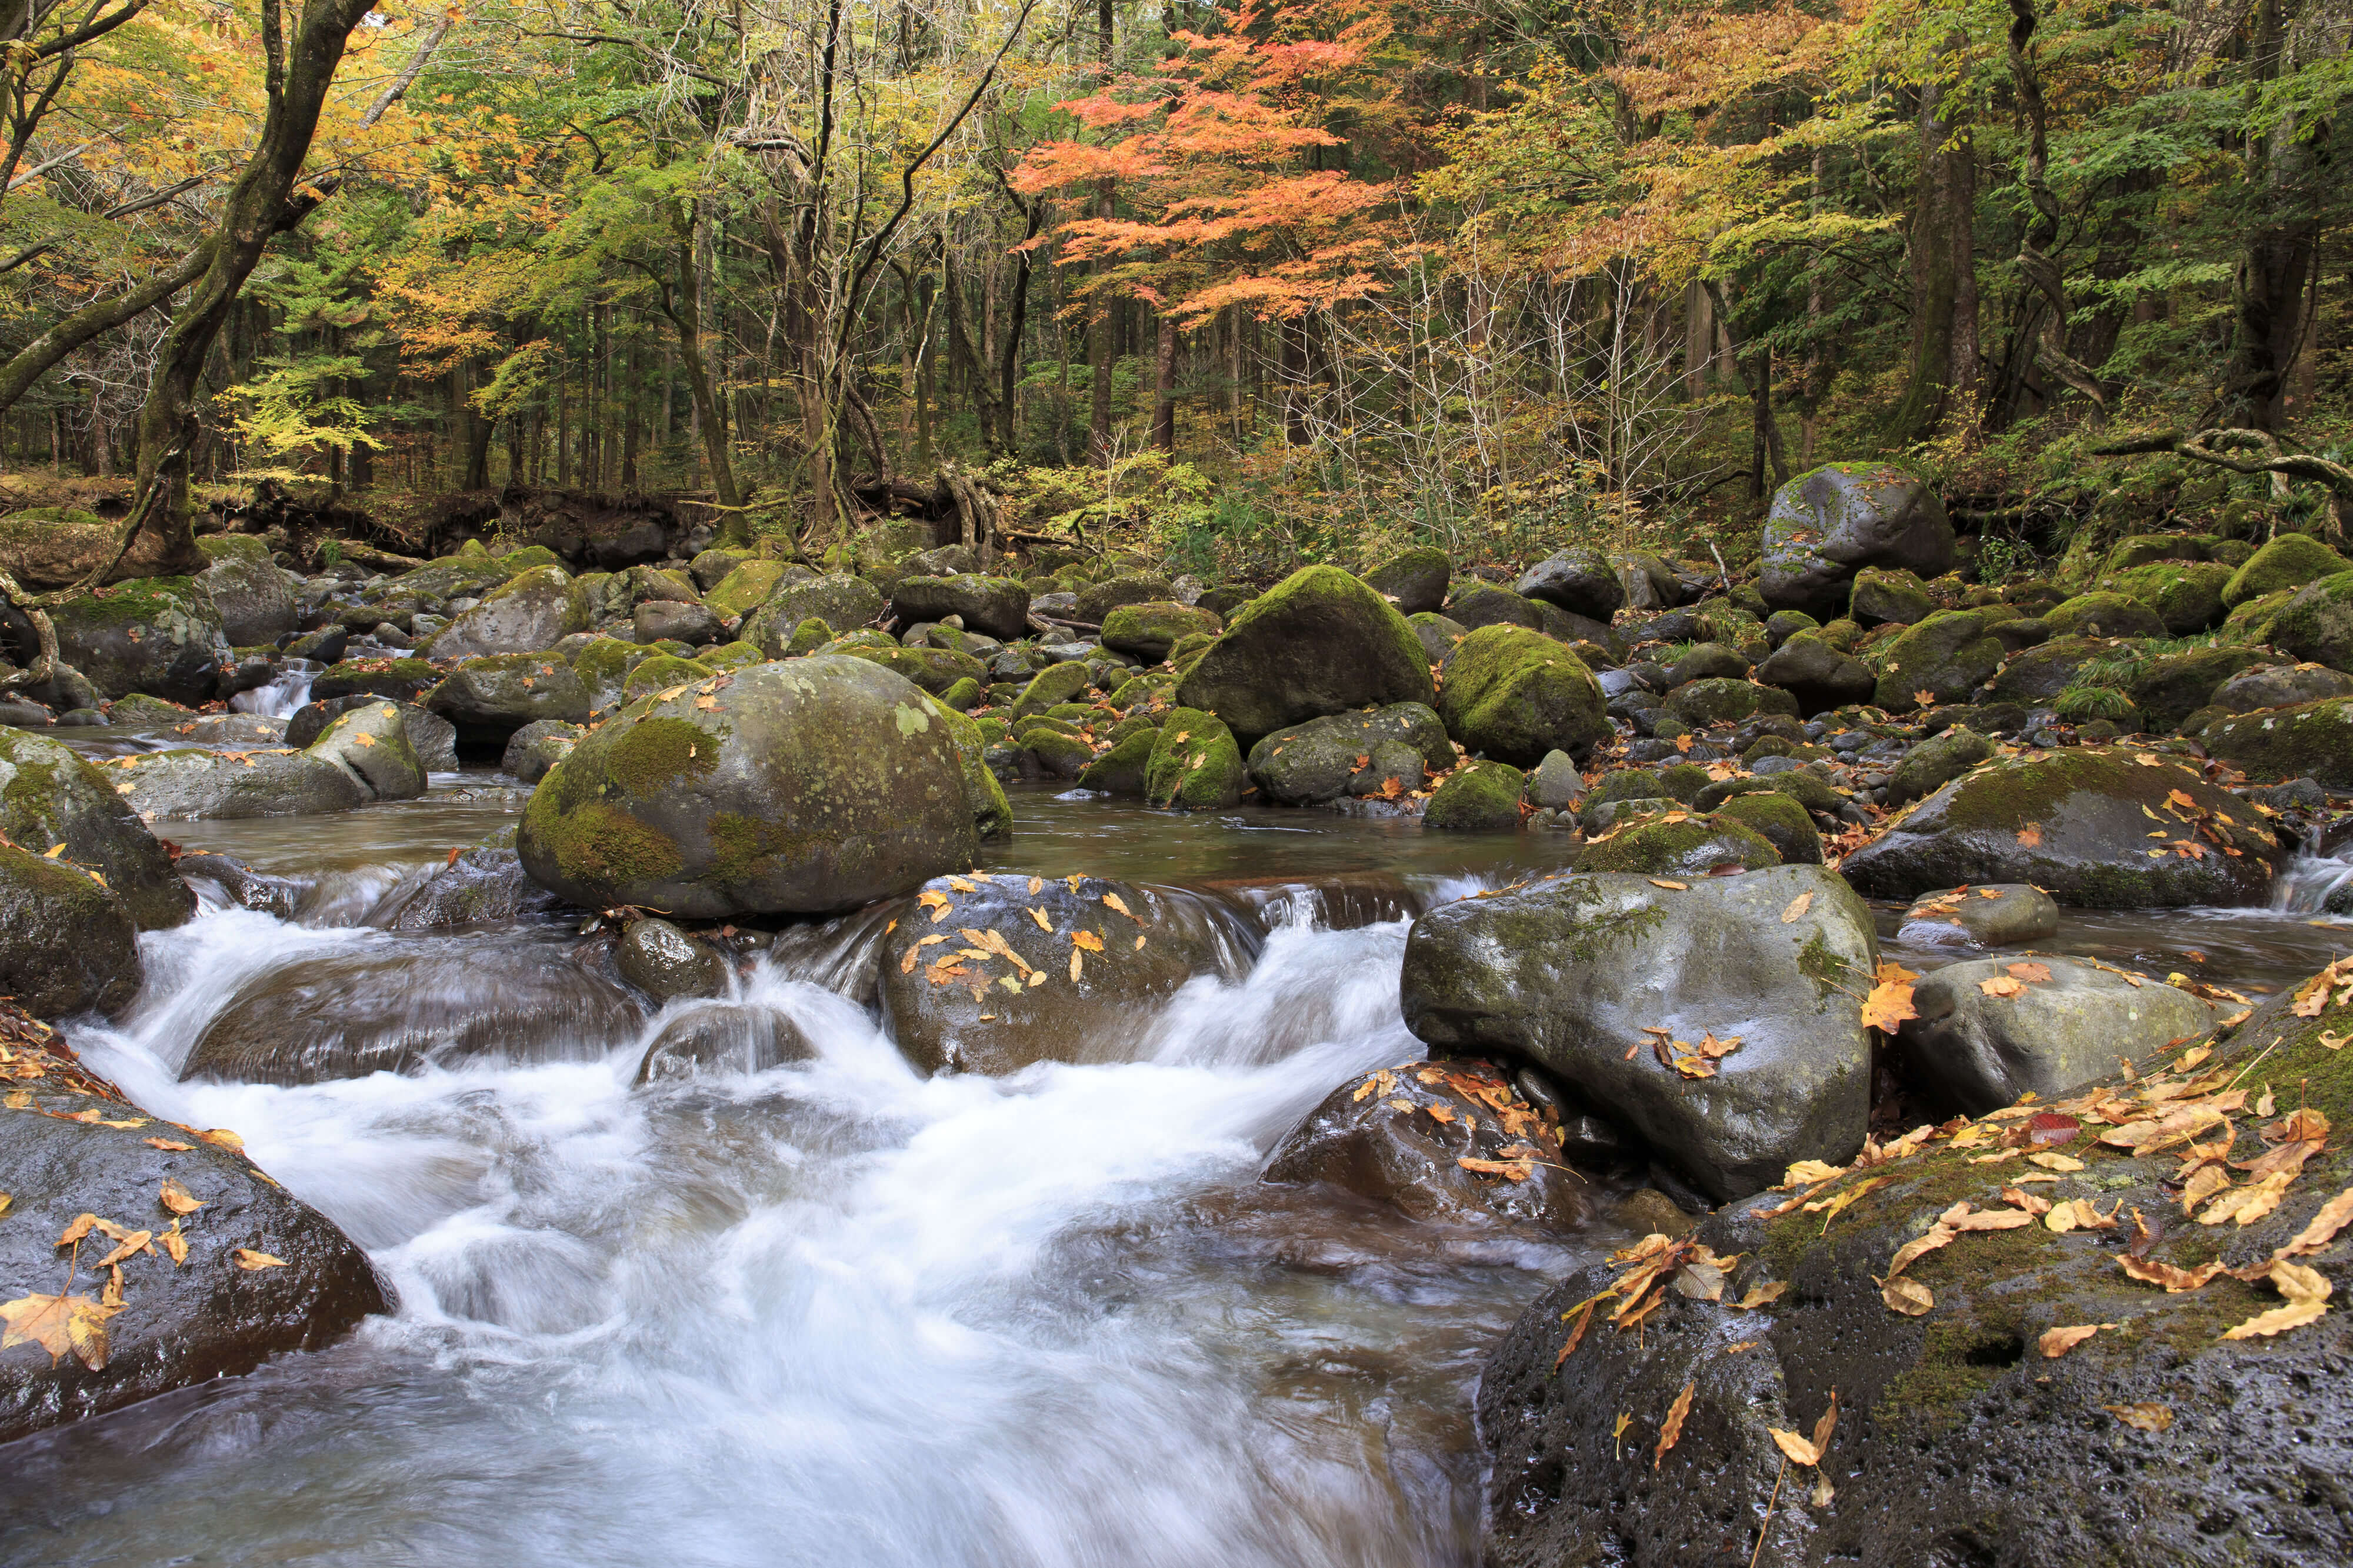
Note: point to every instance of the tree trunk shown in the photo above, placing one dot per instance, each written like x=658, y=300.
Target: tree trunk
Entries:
x=1943, y=381
x=1164, y=387
x=2268, y=324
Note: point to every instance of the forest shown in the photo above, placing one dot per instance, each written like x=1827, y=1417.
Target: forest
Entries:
x=1248, y=285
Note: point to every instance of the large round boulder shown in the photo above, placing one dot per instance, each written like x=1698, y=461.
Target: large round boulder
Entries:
x=1581, y=580
x=1818, y=676
x=1318, y=642
x=999, y=606
x=66, y=945
x=1946, y=656
x=1413, y=580
x=50, y=796
x=190, y=784
x=842, y=602
x=1516, y=695
x=2290, y=561
x=2311, y=740
x=1325, y=758
x=161, y=636
x=1828, y=524
x=533, y=611
x=1991, y=1030
x=2096, y=829
x=1717, y=1017
x=2316, y=624
x=254, y=597
x=799, y=787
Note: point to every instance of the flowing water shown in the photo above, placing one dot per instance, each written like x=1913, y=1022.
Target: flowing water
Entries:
x=834, y=1313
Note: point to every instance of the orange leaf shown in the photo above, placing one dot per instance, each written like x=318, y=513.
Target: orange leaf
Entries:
x=1671, y=1433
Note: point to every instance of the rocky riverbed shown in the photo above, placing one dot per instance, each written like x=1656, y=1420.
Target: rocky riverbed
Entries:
x=1038, y=1061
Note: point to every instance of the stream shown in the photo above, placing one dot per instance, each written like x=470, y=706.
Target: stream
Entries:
x=836, y=1313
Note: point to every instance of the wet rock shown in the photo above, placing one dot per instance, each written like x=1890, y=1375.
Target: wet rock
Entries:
x=529, y=612
x=1516, y=695
x=1480, y=798
x=2316, y=624
x=400, y=1007
x=49, y=795
x=1781, y=821
x=180, y=1324
x=255, y=600
x=2280, y=686
x=1649, y=583
x=228, y=729
x=2312, y=740
x=401, y=680
x=1414, y=579
x=1098, y=600
x=539, y=746
x=434, y=738
x=992, y=814
x=24, y=714
x=802, y=787
x=2037, y=676
x=1997, y=914
x=1828, y=524
x=1948, y=656
x=1818, y=675
x=1932, y=765
x=372, y=742
x=226, y=785
x=999, y=606
x=1196, y=763
x=1319, y=642
x=1582, y=582
x=67, y=944
x=1678, y=844
x=842, y=602
x=2290, y=561
x=1318, y=761
x=723, y=1038
x=1724, y=701
x=666, y=963
x=961, y=1006
x=1932, y=1407
x=1556, y=783
x=2077, y=823
x=1123, y=769
x=668, y=620
x=1150, y=631
x=490, y=699
x=2169, y=687
x=1378, y=1137
x=161, y=636
x=2052, y=1026
x=483, y=887
x=1569, y=973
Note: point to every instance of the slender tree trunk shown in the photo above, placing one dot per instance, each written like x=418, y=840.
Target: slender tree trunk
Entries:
x=2281, y=243
x=1943, y=381
x=1164, y=387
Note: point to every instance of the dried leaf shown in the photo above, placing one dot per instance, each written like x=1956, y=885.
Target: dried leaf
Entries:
x=2063, y=1162
x=2000, y=985
x=2312, y=1238
x=1890, y=1002
x=364, y=739
x=1800, y=1451
x=1663, y=882
x=1671, y=1433
x=1577, y=1335
x=175, y=1244
x=1044, y=923
x=1798, y=907
x=2246, y=1205
x=934, y=901
x=1962, y=1216
x=1037, y=886
x=2144, y=1417
x=1117, y=905
x=2056, y=1342
x=1918, y=1247
x=136, y=1242
x=176, y=1197
x=2203, y=1184
x=1909, y=1297
x=2031, y=836
x=250, y=1261
x=1829, y=1208
x=1763, y=1294
x=2035, y=1207
x=2278, y=1321
x=1087, y=940
x=1075, y=963
x=1825, y=1426
x=59, y=1324
x=2150, y=1271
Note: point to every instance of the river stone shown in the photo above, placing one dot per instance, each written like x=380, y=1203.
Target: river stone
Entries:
x=1123, y=769
x=229, y=785
x=1818, y=676
x=222, y=731
x=1098, y=600
x=1997, y=914
x=161, y=636
x=2280, y=686
x=422, y=1001
x=999, y=606
x=490, y=699
x=1150, y=631
x=2169, y=687
x=50, y=795
x=1936, y=762
x=67, y=944
x=1436, y=634
x=401, y=680
x=1516, y=695
x=1555, y=784
x=933, y=669
x=723, y=1036
x=666, y=963
x=2104, y=616
x=1414, y=579
x=2316, y=624
x=529, y=612
x=951, y=1011
x=745, y=585
x=2312, y=740
x=1707, y=662
x=1196, y=763
x=180, y=1326
x=1781, y=821
x=1478, y=797
x=670, y=620
x=1376, y=1136
x=2038, y=675
x=2187, y=596
x=372, y=742
x=660, y=673
x=1826, y=525
x=484, y=887
x=1948, y=656
x=1475, y=604
x=992, y=814
x=2144, y=549
x=434, y=738
x=1880, y=595
x=255, y=598
x=2290, y=561
x=804, y=788
x=1726, y=701
x=1316, y=761
x=1318, y=642
x=1978, y=1052
x=2077, y=823
x=1581, y=580
x=842, y=602
x=1568, y=973
x=1677, y=845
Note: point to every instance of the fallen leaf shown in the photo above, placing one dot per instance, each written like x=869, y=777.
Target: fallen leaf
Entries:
x=1577, y=1335
x=2278, y=1321
x=1662, y=882
x=2203, y=1184
x=2000, y=985
x=1115, y=903
x=176, y=1197
x=1890, y=1002
x=59, y=1324
x=1087, y=940
x=2176, y=1281
x=364, y=739
x=1829, y=1208
x=175, y=1244
x=2031, y=836
x=1076, y=957
x=2145, y=1416
x=1919, y=1247
x=1962, y=1216
x=2056, y=1342
x=250, y=1261
x=136, y=1242
x=1037, y=886
x=1762, y=1294
x=1799, y=1449
x=2033, y=973
x=2035, y=1207
x=1671, y=1433
x=1925, y=699
x=2332, y=1219
x=1909, y=1297
x=1798, y=907
x=2077, y=1213
x=935, y=902
x=2063, y=1162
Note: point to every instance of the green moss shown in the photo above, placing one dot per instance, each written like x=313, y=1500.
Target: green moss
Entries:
x=660, y=673
x=141, y=601
x=653, y=754
x=731, y=655
x=1821, y=964
x=595, y=844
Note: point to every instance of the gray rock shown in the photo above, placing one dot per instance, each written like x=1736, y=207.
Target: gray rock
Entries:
x=1318, y=642
x=1948, y=655
x=434, y=738
x=372, y=742
x=1999, y=914
x=2048, y=1037
x=1709, y=661
x=666, y=963
x=67, y=944
x=488, y=700
x=484, y=886
x=161, y=636
x=49, y=795
x=842, y=602
x=1556, y=783
x=1828, y=524
x=1474, y=604
x=2280, y=686
x=1414, y=581
x=670, y=620
x=1568, y=974
x=1438, y=634
x=1818, y=676
x=997, y=605
x=1581, y=580
x=255, y=600
x=1932, y=765
x=533, y=612
x=1316, y=762
x=539, y=746
x=723, y=1038
x=1098, y=600
x=225, y=786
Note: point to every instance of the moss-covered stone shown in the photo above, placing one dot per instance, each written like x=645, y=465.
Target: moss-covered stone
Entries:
x=992, y=814
x=2317, y=622
x=401, y=680
x=1151, y=631
x=1320, y=761
x=1413, y=580
x=747, y=587
x=162, y=636
x=534, y=610
x=1054, y=684
x=660, y=672
x=2168, y=688
x=1123, y=770
x=1515, y=695
x=67, y=944
x=1880, y=595
x=1948, y=656
x=1478, y=797
x=1318, y=642
x=2039, y=674
x=1780, y=822
x=2104, y=616
x=1724, y=700
x=1693, y=847
x=50, y=795
x=2186, y=595
x=1195, y=764
x=2312, y=740
x=2290, y=561
x=842, y=602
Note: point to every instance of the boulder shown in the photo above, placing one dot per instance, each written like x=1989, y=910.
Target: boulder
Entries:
x=2279, y=686
x=934, y=670
x=2049, y=1027
x=1098, y=600
x=1780, y=820
x=2187, y=596
x=673, y=620
x=1570, y=973
x=1475, y=604
x=1196, y=763
x=1581, y=580
x=2037, y=676
x=255, y=600
x=1438, y=634
x=371, y=742
x=182, y=1321
x=2144, y=549
x=1936, y=762
x=1516, y=695
x=1320, y=759
x=67, y=944
x=2104, y=616
x=1556, y=784
x=1083, y=986
x=2169, y=687
x=999, y=606
x=1818, y=676
x=2312, y=740
x=1150, y=630
x=666, y=963
x=1726, y=701
x=1881, y=597
x=1484, y=1153
x=161, y=636
x=1414, y=581
x=1828, y=524
x=1948, y=656
x=1123, y=769
x=1478, y=797
x=490, y=699
x=799, y=787
x=745, y=585
x=1056, y=684
x=50, y=795
x=2317, y=622
x=1678, y=844
x=1709, y=661
x=531, y=612
x=484, y=886
x=721, y=1037
x=992, y=814
x=2290, y=561
x=2077, y=823
x=1318, y=642
x=1999, y=914
x=434, y=738
x=401, y=680
x=842, y=602
x=229, y=785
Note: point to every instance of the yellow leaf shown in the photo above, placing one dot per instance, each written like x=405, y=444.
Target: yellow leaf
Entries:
x=2056, y=1342
x=2000, y=985
x=1044, y=923
x=136, y=1242
x=175, y=1244
x=1671, y=1433
x=2145, y=1416
x=660, y=696
x=176, y=1197
x=59, y=1324
x=1799, y=1449
x=2055, y=1162
x=2278, y=1321
x=1662, y=882
x=2248, y=1204
x=248, y=1260
x=55, y=851
x=2332, y=1219
x=1918, y=1247
x=364, y=739
x=1037, y=978
x=1114, y=902
x=1075, y=957
x=1087, y=940
x=1798, y=907
x=1909, y=1297
x=222, y=1138
x=1037, y=886
x=2176, y=1281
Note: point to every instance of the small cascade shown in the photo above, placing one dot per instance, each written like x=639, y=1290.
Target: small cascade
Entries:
x=2313, y=885
x=283, y=697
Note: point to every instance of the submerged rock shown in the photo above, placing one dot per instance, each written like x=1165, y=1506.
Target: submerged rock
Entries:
x=723, y=1036
x=181, y=1322
x=484, y=886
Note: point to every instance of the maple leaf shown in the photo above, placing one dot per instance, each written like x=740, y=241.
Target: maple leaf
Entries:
x=1890, y=1002
x=2000, y=985
x=2033, y=973
x=59, y=1324
x=1925, y=697
x=1087, y=940
x=2031, y=836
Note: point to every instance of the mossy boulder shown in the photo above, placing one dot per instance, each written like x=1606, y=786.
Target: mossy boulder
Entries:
x=2038, y=675
x=490, y=699
x=1123, y=769
x=1194, y=765
x=2144, y=549
x=1478, y=797
x=1678, y=844
x=660, y=673
x=2077, y=823
x=1721, y=699
x=162, y=636
x=2288, y=562
x=999, y=606
x=2312, y=740
x=1413, y=580
x=1881, y=595
x=1322, y=759
x=50, y=795
x=1947, y=655
x=935, y=669
x=2187, y=596
x=1084, y=986
x=1936, y=762
x=1318, y=642
x=2252, y=622
x=2103, y=615
x=534, y=610
x=842, y=602
x=745, y=588
x=802, y=787
x=67, y=944
x=370, y=740
x=603, y=664
x=255, y=600
x=1828, y=524
x=2262, y=685
x=2317, y=622
x=363, y=755
x=1568, y=973
x=1055, y=684
x=2169, y=687
x=401, y=680
x=1097, y=600
x=1152, y=631
x=2155, y=1440
x=1818, y=676
x=2048, y=1036
x=1581, y=580
x=1781, y=821
x=1475, y=604
x=1515, y=695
